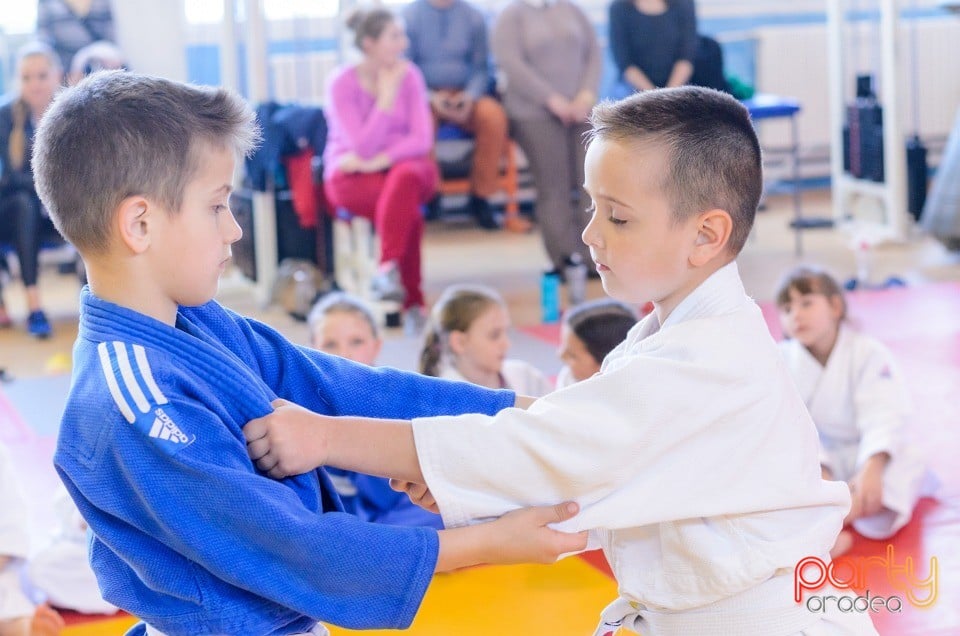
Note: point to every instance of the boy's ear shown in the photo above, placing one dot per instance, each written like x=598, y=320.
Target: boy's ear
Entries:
x=132, y=223
x=713, y=233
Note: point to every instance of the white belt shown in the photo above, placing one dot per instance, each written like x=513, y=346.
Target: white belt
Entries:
x=762, y=609
x=318, y=630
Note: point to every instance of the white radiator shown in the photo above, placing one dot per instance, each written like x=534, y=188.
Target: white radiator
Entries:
x=792, y=61
x=301, y=77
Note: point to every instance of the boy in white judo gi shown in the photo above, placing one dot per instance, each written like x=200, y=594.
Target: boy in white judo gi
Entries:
x=136, y=172
x=859, y=403
x=691, y=453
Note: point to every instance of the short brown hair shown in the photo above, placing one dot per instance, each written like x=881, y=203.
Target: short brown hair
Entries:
x=714, y=158
x=368, y=23
x=807, y=279
x=117, y=134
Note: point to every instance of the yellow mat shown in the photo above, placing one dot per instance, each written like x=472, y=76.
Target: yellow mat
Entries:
x=563, y=599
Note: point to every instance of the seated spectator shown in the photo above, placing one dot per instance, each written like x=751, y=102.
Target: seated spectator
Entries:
x=22, y=221
x=343, y=325
x=99, y=56
x=589, y=332
x=654, y=42
x=377, y=157
x=467, y=340
x=448, y=42
x=550, y=59
x=69, y=25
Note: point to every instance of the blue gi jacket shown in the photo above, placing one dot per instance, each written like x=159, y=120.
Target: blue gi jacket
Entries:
x=187, y=535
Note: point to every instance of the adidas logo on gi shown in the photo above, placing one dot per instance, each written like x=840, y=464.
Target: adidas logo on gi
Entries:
x=164, y=428
x=130, y=381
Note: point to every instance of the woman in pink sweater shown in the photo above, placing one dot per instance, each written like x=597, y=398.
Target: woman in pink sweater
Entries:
x=377, y=156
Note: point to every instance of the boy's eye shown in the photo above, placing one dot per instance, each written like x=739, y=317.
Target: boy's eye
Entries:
x=617, y=221
x=217, y=209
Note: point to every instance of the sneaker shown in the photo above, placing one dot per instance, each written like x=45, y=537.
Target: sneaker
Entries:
x=37, y=325
x=414, y=320
x=386, y=284
x=483, y=213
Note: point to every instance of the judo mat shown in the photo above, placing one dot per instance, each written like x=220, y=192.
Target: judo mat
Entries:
x=920, y=324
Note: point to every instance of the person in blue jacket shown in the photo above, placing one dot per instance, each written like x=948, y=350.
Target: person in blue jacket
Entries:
x=187, y=534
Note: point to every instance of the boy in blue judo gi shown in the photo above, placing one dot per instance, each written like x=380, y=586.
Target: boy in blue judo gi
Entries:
x=187, y=534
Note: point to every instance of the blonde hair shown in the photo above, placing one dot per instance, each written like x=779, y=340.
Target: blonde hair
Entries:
x=17, y=143
x=341, y=303
x=456, y=309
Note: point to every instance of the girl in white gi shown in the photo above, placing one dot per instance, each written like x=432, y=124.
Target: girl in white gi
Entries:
x=691, y=453
x=18, y=616
x=589, y=332
x=467, y=340
x=60, y=571
x=858, y=401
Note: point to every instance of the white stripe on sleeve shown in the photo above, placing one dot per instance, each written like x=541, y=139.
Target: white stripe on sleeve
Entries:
x=111, y=379
x=141, y=355
x=129, y=379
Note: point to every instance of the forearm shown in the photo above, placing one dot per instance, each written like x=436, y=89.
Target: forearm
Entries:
x=681, y=73
x=460, y=548
x=373, y=446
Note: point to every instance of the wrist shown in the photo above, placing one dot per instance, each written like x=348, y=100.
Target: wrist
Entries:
x=879, y=460
x=460, y=548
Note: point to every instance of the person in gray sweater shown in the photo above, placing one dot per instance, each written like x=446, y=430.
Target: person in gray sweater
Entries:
x=548, y=55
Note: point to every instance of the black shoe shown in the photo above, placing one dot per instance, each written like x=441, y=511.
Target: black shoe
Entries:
x=483, y=213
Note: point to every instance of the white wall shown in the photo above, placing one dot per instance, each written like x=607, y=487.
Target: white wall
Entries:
x=152, y=33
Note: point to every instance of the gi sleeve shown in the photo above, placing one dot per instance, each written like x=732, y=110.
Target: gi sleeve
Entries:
x=206, y=503
x=335, y=386
x=649, y=442
x=880, y=401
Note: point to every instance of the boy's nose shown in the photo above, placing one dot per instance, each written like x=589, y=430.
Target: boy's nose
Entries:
x=233, y=231
x=589, y=234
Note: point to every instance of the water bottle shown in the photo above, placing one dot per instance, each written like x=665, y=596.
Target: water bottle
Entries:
x=576, y=274
x=550, y=297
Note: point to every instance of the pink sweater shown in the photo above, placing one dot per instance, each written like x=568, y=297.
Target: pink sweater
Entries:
x=355, y=124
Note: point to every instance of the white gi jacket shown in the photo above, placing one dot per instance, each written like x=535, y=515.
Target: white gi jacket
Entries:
x=14, y=541
x=518, y=376
x=860, y=406
x=692, y=457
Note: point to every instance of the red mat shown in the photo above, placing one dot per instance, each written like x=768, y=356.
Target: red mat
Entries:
x=921, y=325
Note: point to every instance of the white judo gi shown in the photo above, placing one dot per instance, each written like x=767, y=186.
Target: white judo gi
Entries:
x=860, y=406
x=519, y=376
x=61, y=571
x=14, y=541
x=694, y=462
